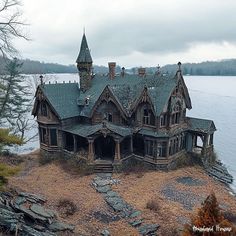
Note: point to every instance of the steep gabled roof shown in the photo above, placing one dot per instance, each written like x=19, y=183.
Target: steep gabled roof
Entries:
x=63, y=98
x=128, y=89
x=84, y=53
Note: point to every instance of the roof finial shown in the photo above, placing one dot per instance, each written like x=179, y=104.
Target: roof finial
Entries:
x=179, y=64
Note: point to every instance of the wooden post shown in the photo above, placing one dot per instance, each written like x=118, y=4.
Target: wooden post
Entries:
x=167, y=148
x=90, y=150
x=75, y=143
x=131, y=144
x=117, y=150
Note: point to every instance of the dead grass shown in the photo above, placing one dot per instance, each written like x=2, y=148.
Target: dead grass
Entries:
x=56, y=183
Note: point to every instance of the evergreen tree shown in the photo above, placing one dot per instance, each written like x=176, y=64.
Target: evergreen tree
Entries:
x=14, y=99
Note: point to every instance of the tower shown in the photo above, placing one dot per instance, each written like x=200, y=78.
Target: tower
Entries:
x=84, y=64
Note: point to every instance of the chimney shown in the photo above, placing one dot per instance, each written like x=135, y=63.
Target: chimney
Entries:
x=141, y=71
x=122, y=72
x=112, y=69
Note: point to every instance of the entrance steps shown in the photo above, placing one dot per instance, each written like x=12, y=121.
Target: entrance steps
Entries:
x=102, y=166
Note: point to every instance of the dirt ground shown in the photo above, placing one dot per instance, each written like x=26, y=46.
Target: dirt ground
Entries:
x=55, y=184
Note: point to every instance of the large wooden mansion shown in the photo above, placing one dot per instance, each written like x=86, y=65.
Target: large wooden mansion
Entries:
x=116, y=117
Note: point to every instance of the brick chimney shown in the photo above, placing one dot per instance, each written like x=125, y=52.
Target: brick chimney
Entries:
x=141, y=71
x=112, y=69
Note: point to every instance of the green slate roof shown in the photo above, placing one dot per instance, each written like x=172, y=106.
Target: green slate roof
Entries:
x=201, y=125
x=84, y=54
x=63, y=98
x=128, y=88
x=67, y=100
x=87, y=130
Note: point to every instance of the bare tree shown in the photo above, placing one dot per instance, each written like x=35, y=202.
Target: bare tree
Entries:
x=11, y=26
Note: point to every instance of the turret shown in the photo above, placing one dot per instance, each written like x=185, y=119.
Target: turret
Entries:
x=84, y=64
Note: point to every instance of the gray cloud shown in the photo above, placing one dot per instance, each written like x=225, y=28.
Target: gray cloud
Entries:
x=119, y=28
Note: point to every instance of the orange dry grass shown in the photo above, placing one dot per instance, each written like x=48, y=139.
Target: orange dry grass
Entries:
x=138, y=191
x=54, y=183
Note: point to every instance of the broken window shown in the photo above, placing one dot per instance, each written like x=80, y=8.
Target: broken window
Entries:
x=43, y=135
x=53, y=137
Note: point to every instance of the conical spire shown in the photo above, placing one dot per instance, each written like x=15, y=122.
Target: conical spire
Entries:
x=84, y=54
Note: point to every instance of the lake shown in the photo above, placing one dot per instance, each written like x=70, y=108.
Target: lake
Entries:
x=213, y=97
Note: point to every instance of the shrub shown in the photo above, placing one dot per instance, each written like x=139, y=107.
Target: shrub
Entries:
x=66, y=207
x=153, y=205
x=208, y=215
x=7, y=171
x=134, y=166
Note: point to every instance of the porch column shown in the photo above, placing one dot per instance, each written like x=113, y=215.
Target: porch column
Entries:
x=63, y=140
x=91, y=150
x=117, y=151
x=131, y=144
x=205, y=143
x=167, y=148
x=75, y=143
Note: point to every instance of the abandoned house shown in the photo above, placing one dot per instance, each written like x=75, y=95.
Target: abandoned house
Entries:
x=115, y=117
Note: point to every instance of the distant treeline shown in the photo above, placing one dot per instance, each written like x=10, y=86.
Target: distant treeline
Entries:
x=223, y=67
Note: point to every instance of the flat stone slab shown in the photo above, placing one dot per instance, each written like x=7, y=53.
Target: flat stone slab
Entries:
x=20, y=200
x=59, y=226
x=112, y=194
x=135, y=214
x=101, y=183
x=105, y=232
x=148, y=229
x=136, y=223
x=103, y=189
x=33, y=197
x=38, y=209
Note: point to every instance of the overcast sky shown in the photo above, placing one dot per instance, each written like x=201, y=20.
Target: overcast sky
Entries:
x=130, y=32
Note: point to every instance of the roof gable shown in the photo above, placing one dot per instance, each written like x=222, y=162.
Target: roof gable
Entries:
x=62, y=98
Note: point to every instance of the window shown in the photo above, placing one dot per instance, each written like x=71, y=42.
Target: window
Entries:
x=43, y=135
x=148, y=117
x=161, y=149
x=163, y=120
x=175, y=118
x=53, y=137
x=150, y=147
x=44, y=111
x=109, y=117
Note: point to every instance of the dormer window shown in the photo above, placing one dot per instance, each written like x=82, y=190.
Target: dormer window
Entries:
x=86, y=101
x=44, y=111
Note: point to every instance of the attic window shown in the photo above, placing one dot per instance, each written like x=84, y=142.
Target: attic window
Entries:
x=44, y=111
x=148, y=117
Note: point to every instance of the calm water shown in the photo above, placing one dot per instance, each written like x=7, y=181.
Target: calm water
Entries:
x=213, y=97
